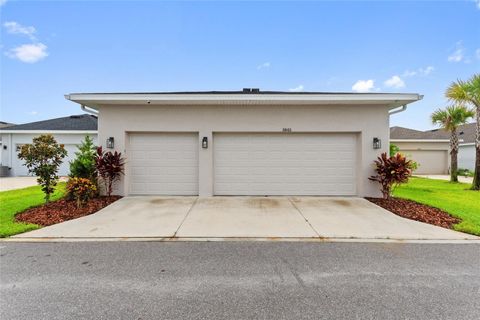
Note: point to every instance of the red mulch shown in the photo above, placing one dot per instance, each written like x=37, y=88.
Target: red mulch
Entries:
x=63, y=210
x=416, y=211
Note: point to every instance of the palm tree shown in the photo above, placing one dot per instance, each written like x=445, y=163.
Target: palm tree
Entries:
x=468, y=92
x=449, y=119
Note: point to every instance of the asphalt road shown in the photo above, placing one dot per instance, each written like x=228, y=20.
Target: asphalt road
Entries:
x=239, y=280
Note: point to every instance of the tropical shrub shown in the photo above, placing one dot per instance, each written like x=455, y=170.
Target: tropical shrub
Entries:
x=394, y=149
x=110, y=167
x=81, y=190
x=43, y=158
x=464, y=172
x=391, y=171
x=83, y=166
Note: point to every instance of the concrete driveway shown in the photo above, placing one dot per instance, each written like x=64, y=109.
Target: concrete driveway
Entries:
x=12, y=183
x=445, y=177
x=245, y=217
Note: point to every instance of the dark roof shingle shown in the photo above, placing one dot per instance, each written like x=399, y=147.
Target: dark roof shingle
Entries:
x=466, y=133
x=83, y=122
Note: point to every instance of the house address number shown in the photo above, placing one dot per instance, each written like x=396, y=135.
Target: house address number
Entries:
x=286, y=129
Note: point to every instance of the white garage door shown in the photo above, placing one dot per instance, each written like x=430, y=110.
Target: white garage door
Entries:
x=64, y=170
x=284, y=164
x=163, y=163
x=429, y=161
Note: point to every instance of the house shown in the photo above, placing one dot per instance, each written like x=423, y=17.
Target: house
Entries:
x=430, y=149
x=247, y=142
x=70, y=131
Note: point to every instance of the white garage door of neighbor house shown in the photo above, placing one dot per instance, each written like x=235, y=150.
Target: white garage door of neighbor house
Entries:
x=163, y=163
x=64, y=170
x=429, y=161
x=284, y=164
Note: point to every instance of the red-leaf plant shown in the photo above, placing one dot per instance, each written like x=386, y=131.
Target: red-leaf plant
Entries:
x=391, y=171
x=110, y=167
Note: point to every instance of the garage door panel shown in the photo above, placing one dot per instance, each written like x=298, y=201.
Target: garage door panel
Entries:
x=163, y=163
x=429, y=161
x=284, y=164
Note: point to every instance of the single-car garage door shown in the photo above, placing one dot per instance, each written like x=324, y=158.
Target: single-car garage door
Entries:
x=163, y=163
x=284, y=164
x=429, y=161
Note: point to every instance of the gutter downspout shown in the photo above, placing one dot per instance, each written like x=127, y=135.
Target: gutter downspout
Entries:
x=88, y=110
x=83, y=107
x=402, y=108
x=398, y=110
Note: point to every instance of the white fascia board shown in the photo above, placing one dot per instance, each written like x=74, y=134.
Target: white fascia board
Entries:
x=50, y=131
x=93, y=100
x=467, y=144
x=420, y=140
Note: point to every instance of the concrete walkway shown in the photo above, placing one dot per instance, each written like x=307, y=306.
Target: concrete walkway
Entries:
x=245, y=217
x=12, y=183
x=445, y=177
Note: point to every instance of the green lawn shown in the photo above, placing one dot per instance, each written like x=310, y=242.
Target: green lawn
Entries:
x=15, y=201
x=454, y=198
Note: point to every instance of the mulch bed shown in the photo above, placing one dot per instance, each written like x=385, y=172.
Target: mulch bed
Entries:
x=416, y=211
x=63, y=210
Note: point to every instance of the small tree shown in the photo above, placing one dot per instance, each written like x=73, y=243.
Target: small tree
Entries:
x=391, y=171
x=110, y=167
x=83, y=166
x=468, y=92
x=43, y=158
x=450, y=119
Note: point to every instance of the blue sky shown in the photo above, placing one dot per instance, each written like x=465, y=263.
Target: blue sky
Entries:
x=50, y=48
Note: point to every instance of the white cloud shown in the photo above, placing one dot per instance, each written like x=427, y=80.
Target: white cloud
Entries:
x=394, y=82
x=263, y=65
x=32, y=113
x=16, y=28
x=364, y=85
x=297, y=88
x=29, y=53
x=410, y=73
x=478, y=3
x=426, y=71
x=2, y=2
x=419, y=72
x=459, y=54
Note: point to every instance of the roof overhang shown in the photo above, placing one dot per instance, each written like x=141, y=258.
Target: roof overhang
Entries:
x=421, y=140
x=50, y=131
x=392, y=100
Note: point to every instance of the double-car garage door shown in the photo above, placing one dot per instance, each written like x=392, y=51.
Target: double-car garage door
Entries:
x=244, y=163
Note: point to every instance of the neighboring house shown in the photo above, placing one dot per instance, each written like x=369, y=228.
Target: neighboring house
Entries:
x=430, y=149
x=246, y=142
x=69, y=131
x=3, y=124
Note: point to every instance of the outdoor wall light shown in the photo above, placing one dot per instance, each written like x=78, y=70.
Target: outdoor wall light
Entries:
x=5, y=147
x=377, y=143
x=205, y=143
x=110, y=143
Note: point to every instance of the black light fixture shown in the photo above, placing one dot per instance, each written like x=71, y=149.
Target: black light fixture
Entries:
x=377, y=143
x=110, y=143
x=205, y=143
x=5, y=147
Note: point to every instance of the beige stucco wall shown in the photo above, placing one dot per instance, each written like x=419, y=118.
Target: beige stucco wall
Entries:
x=430, y=165
x=466, y=157
x=367, y=121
